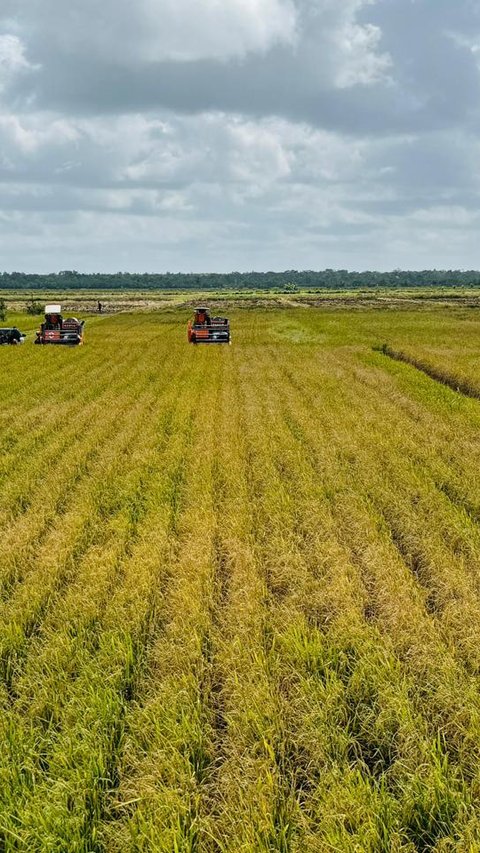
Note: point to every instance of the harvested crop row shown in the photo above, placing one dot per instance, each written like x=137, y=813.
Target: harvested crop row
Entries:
x=454, y=381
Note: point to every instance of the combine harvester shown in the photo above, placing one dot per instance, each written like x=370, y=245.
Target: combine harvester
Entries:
x=56, y=330
x=11, y=336
x=204, y=329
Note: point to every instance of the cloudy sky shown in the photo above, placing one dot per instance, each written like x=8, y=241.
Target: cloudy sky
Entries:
x=218, y=135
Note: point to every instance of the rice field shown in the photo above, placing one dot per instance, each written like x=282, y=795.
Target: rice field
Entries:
x=240, y=586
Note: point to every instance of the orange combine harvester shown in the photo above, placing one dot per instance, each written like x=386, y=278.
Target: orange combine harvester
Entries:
x=56, y=330
x=204, y=329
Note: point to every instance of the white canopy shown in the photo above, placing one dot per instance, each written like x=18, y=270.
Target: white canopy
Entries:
x=53, y=309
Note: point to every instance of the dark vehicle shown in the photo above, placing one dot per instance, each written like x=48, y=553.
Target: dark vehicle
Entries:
x=11, y=336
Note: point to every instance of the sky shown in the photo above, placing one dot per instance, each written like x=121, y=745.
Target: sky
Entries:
x=222, y=135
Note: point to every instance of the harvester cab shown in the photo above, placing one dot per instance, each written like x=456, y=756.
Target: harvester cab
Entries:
x=56, y=330
x=204, y=329
x=11, y=336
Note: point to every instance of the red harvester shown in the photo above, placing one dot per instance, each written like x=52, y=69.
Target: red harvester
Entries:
x=204, y=329
x=56, y=330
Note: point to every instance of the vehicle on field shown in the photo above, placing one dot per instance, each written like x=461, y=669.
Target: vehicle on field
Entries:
x=11, y=336
x=57, y=330
x=204, y=329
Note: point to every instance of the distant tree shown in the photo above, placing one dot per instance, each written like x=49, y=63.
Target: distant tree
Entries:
x=248, y=281
x=3, y=310
x=34, y=307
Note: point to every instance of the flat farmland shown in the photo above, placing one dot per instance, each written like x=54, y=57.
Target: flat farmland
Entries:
x=240, y=585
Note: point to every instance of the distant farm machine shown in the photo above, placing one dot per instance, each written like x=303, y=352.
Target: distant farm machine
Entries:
x=204, y=329
x=56, y=330
x=11, y=336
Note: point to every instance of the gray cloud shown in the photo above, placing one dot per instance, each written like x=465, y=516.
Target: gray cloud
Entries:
x=269, y=134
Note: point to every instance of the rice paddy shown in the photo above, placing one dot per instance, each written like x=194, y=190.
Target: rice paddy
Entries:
x=240, y=586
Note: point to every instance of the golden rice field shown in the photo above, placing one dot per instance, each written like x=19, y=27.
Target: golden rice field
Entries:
x=240, y=587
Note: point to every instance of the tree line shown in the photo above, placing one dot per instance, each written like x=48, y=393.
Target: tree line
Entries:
x=288, y=280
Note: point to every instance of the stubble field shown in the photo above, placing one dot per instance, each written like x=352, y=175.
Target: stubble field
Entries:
x=240, y=586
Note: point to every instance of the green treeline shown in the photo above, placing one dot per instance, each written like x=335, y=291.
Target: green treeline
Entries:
x=288, y=280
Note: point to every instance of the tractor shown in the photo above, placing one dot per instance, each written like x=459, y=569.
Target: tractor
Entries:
x=204, y=329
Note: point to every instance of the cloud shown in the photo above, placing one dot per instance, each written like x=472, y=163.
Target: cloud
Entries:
x=239, y=134
x=258, y=56
x=13, y=60
x=152, y=31
x=217, y=189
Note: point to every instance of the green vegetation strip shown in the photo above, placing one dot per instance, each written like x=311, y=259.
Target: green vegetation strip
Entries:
x=456, y=383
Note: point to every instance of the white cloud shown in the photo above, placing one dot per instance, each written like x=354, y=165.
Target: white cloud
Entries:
x=36, y=133
x=346, y=52
x=12, y=58
x=120, y=31
x=238, y=133
x=363, y=63
x=185, y=30
x=239, y=183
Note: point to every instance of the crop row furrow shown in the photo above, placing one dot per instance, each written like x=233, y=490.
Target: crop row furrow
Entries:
x=455, y=382
x=445, y=562
x=84, y=736
x=167, y=748
x=63, y=417
x=60, y=491
x=398, y=600
x=290, y=597
x=55, y=562
x=34, y=532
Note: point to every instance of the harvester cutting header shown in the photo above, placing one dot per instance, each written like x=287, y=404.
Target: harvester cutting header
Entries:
x=56, y=330
x=204, y=329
